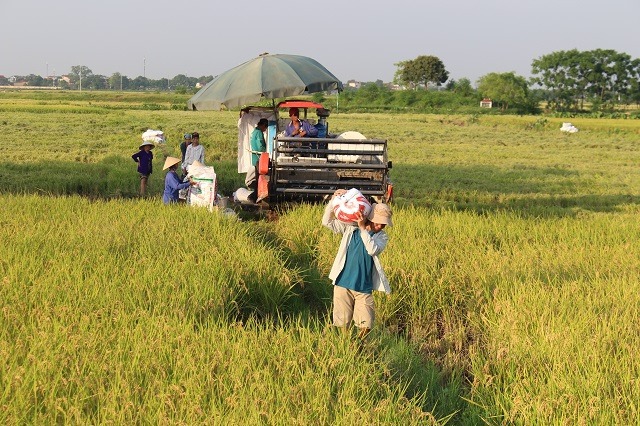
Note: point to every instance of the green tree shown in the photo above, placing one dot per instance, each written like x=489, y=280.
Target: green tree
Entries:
x=421, y=71
x=633, y=94
x=181, y=80
x=35, y=80
x=95, y=82
x=140, y=83
x=602, y=76
x=117, y=81
x=506, y=89
x=558, y=73
x=462, y=87
x=77, y=71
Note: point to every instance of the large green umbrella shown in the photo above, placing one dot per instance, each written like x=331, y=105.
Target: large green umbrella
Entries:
x=267, y=76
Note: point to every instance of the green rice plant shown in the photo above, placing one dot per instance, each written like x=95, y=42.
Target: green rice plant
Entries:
x=512, y=261
x=132, y=314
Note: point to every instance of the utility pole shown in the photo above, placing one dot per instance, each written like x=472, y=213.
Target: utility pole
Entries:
x=80, y=74
x=144, y=67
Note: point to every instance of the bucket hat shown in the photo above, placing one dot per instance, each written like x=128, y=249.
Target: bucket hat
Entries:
x=146, y=143
x=381, y=213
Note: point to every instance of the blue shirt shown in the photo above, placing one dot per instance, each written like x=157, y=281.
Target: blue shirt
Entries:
x=304, y=125
x=172, y=185
x=144, y=160
x=356, y=274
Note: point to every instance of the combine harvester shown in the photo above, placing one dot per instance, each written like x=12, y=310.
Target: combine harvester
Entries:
x=312, y=168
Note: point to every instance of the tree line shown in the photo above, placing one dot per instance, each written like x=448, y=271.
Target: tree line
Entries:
x=82, y=77
x=564, y=81
x=605, y=79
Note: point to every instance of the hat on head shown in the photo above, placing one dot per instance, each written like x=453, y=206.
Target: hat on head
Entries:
x=170, y=161
x=381, y=213
x=146, y=143
x=188, y=135
x=195, y=135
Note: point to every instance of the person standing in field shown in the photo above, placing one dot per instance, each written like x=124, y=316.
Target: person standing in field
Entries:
x=258, y=146
x=184, y=144
x=144, y=158
x=356, y=271
x=172, y=184
x=194, y=152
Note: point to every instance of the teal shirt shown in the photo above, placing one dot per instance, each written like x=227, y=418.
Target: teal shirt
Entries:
x=257, y=144
x=358, y=266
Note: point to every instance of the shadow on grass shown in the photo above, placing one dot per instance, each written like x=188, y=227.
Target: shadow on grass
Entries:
x=528, y=191
x=113, y=177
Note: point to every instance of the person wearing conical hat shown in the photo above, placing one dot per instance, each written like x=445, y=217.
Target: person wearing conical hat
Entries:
x=144, y=158
x=172, y=184
x=356, y=271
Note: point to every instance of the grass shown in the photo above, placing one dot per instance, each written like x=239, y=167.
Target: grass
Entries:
x=513, y=259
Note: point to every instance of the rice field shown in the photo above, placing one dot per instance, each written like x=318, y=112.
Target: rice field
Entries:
x=514, y=264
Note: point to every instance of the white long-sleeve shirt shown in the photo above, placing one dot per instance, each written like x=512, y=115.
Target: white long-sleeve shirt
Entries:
x=374, y=244
x=193, y=153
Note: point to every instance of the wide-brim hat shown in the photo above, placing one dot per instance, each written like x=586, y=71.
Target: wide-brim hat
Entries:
x=146, y=143
x=381, y=213
x=170, y=161
x=196, y=163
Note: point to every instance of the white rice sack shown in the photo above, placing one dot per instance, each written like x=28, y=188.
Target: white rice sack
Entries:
x=242, y=195
x=204, y=193
x=347, y=205
x=155, y=136
x=569, y=128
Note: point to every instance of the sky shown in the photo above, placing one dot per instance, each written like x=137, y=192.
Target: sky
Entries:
x=356, y=40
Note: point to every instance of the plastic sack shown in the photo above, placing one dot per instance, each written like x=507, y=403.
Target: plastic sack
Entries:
x=569, y=128
x=155, y=136
x=242, y=195
x=204, y=194
x=347, y=205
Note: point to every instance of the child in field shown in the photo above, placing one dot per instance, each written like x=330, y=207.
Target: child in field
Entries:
x=144, y=158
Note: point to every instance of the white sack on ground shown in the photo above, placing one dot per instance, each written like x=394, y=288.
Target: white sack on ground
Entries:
x=568, y=127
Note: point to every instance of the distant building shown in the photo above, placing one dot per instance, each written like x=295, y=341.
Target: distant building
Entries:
x=486, y=103
x=354, y=84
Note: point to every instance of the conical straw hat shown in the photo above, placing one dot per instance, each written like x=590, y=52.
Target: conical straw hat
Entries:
x=170, y=161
